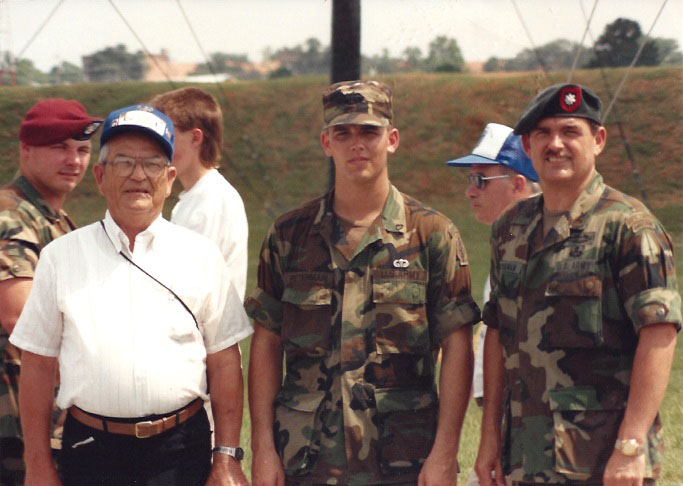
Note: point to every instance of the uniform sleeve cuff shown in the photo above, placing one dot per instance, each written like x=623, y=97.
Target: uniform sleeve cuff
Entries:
x=265, y=310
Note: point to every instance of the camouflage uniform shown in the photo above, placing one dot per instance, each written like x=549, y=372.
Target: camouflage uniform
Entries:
x=568, y=308
x=361, y=337
x=27, y=224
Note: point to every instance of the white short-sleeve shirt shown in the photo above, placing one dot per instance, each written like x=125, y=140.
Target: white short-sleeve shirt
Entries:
x=126, y=346
x=214, y=208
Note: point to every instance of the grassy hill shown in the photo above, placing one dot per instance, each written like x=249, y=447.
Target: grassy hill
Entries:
x=273, y=158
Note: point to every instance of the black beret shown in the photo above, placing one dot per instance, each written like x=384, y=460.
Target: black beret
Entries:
x=568, y=100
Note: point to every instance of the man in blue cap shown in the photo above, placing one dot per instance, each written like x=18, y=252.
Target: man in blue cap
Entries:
x=582, y=318
x=139, y=337
x=500, y=174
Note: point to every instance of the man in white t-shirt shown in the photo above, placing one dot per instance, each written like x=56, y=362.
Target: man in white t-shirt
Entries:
x=500, y=173
x=209, y=204
x=139, y=338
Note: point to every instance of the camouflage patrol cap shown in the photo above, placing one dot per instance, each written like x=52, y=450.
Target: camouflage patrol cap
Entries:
x=564, y=100
x=357, y=103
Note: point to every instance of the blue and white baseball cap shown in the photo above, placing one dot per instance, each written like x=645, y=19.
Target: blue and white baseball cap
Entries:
x=498, y=145
x=141, y=118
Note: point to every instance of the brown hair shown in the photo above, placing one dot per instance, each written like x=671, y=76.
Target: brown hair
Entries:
x=191, y=108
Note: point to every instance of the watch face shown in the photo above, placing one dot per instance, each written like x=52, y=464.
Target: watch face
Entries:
x=629, y=448
x=239, y=453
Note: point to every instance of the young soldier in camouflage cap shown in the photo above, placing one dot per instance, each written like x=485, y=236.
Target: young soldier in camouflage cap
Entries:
x=54, y=155
x=359, y=289
x=585, y=305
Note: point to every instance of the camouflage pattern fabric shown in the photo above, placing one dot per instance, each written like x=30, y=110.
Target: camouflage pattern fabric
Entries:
x=27, y=224
x=358, y=405
x=568, y=308
x=358, y=103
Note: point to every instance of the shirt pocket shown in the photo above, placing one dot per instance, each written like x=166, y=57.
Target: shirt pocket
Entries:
x=576, y=321
x=307, y=313
x=183, y=328
x=400, y=298
x=406, y=427
x=297, y=429
x=585, y=423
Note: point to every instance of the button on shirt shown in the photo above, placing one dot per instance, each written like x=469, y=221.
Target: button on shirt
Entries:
x=213, y=208
x=126, y=346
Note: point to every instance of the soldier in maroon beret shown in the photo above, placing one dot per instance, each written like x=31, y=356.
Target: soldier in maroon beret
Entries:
x=54, y=156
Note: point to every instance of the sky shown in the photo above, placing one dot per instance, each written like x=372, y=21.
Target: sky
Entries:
x=482, y=28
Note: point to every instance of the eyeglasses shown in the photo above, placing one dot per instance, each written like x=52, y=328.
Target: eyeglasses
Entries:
x=123, y=166
x=479, y=181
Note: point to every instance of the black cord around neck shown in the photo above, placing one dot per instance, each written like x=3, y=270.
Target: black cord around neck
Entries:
x=151, y=276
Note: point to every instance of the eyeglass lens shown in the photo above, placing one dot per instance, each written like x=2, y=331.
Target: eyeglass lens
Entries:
x=125, y=166
x=477, y=180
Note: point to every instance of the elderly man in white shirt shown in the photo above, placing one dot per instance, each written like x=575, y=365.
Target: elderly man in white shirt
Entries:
x=143, y=319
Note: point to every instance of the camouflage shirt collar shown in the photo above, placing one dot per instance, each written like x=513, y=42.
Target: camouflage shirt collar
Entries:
x=586, y=200
x=35, y=198
x=393, y=213
x=584, y=203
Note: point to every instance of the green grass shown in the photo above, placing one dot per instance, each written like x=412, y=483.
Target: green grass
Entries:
x=273, y=158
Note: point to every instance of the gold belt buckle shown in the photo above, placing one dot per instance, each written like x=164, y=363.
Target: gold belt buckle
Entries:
x=143, y=430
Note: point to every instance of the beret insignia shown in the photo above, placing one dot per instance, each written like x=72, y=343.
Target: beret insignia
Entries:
x=570, y=98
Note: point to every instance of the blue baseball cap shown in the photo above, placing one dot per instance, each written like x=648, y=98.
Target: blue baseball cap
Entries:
x=141, y=118
x=498, y=145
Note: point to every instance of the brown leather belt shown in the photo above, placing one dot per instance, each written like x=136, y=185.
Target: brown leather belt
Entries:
x=141, y=430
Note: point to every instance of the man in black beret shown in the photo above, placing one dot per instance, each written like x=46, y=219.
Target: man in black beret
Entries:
x=582, y=318
x=54, y=155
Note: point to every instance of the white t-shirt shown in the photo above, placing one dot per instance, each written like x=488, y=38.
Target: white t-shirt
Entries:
x=478, y=378
x=213, y=208
x=126, y=346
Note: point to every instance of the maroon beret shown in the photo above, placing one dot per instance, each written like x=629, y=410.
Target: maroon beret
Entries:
x=54, y=120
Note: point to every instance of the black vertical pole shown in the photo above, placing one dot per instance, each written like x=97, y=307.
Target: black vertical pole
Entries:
x=345, y=40
x=345, y=47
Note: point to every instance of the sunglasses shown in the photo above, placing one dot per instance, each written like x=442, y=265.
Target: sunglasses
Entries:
x=479, y=181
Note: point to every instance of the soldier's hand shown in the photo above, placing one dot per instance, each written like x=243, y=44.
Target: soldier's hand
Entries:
x=624, y=470
x=487, y=465
x=266, y=469
x=439, y=469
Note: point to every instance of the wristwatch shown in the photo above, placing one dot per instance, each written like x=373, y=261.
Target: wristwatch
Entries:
x=629, y=447
x=236, y=453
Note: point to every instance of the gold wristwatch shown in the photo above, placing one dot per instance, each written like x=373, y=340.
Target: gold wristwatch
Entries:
x=629, y=447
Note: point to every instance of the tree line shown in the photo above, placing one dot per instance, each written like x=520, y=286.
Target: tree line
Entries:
x=616, y=46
